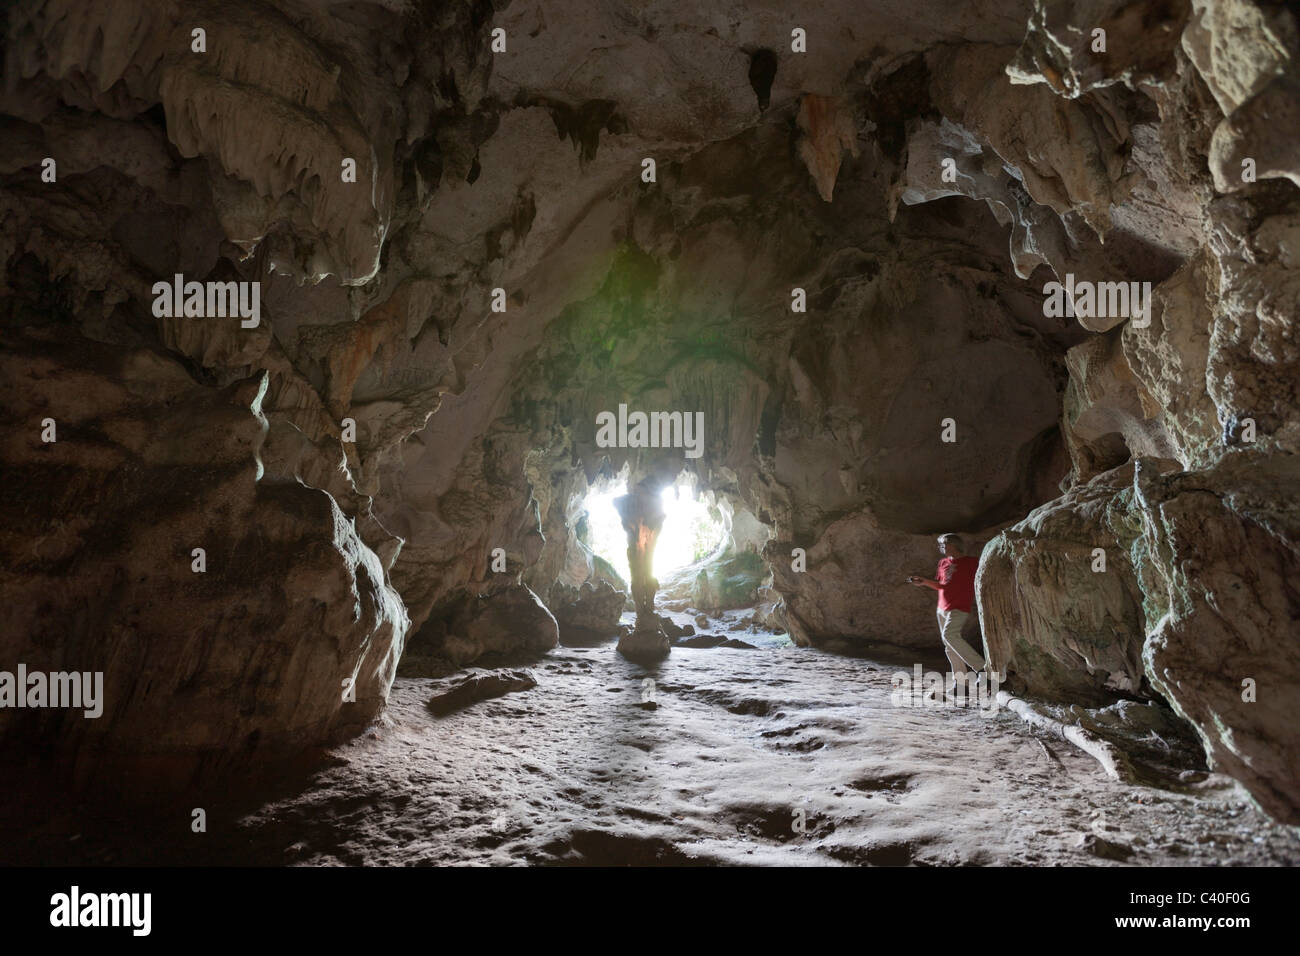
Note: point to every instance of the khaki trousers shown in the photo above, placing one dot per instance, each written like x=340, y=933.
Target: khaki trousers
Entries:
x=959, y=652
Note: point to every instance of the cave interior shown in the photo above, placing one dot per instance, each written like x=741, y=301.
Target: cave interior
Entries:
x=342, y=341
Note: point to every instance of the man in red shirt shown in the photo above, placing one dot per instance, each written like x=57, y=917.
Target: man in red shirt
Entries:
x=956, y=586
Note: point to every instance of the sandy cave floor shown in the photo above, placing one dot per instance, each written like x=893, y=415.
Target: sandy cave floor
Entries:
x=575, y=771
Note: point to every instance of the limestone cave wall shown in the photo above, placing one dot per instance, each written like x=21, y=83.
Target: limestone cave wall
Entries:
x=843, y=256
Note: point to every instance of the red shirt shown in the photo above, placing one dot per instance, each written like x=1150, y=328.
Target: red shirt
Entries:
x=957, y=579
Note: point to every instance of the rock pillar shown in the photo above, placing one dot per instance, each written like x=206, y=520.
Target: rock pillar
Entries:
x=643, y=517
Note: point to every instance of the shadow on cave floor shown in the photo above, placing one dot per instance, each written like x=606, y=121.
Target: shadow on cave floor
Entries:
x=765, y=755
x=45, y=823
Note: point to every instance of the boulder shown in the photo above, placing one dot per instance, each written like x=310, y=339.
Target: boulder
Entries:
x=645, y=645
x=233, y=616
x=506, y=622
x=673, y=630
x=1220, y=557
x=484, y=687
x=1059, y=603
x=588, y=612
x=702, y=640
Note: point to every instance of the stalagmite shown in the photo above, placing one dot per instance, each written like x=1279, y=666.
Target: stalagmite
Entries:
x=642, y=514
x=1111, y=760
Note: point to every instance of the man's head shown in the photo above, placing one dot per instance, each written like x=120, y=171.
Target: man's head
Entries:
x=950, y=545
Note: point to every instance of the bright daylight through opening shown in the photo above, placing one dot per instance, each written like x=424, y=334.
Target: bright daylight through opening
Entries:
x=689, y=531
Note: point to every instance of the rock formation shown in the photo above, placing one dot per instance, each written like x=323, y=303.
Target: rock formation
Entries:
x=642, y=514
x=838, y=258
x=589, y=612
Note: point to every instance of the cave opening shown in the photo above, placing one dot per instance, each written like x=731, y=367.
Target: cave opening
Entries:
x=694, y=528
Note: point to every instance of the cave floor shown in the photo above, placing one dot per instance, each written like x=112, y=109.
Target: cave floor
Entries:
x=742, y=747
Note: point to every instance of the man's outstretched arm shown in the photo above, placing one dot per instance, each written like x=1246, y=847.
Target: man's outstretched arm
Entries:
x=921, y=582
